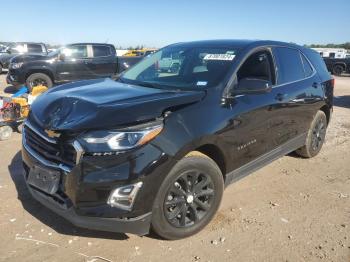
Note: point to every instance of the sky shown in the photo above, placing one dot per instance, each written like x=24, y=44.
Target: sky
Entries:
x=160, y=22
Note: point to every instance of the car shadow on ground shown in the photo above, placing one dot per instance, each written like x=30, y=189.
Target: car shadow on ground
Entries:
x=342, y=101
x=45, y=215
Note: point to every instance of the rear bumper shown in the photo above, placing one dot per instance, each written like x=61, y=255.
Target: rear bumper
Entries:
x=138, y=225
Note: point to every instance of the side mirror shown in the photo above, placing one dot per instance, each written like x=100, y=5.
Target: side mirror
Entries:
x=252, y=86
x=61, y=57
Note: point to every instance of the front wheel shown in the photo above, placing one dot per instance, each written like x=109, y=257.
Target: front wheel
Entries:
x=38, y=79
x=188, y=197
x=315, y=136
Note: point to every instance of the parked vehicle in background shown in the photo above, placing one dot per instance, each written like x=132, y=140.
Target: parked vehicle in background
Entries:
x=332, y=52
x=70, y=63
x=140, y=52
x=170, y=62
x=338, y=66
x=2, y=48
x=15, y=49
x=155, y=150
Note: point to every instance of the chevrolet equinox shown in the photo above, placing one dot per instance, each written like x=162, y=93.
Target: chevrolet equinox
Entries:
x=154, y=149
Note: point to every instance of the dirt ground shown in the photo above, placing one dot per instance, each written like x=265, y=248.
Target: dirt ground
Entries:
x=292, y=210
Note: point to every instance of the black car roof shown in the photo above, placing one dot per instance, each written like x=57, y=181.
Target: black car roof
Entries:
x=90, y=44
x=234, y=43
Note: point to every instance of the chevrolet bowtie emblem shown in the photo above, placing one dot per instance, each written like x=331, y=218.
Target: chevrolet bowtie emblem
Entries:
x=52, y=134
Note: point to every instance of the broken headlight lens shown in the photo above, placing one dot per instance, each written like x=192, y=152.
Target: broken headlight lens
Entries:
x=106, y=141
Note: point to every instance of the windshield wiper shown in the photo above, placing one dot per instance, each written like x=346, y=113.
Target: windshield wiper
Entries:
x=147, y=84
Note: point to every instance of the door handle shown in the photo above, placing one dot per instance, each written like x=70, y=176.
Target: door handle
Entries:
x=280, y=96
x=315, y=85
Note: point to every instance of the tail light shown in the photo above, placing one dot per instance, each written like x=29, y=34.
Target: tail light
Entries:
x=332, y=82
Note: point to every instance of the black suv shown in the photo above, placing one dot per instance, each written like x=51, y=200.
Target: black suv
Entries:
x=155, y=149
x=22, y=48
x=338, y=66
x=70, y=63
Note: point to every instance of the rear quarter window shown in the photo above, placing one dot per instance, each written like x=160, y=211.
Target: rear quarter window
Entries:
x=101, y=50
x=318, y=63
x=307, y=67
x=289, y=64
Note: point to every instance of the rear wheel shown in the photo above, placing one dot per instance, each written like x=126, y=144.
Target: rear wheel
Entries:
x=5, y=132
x=38, y=79
x=338, y=70
x=188, y=198
x=315, y=137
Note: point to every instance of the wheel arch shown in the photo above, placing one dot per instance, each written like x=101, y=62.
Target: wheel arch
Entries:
x=340, y=64
x=42, y=71
x=326, y=109
x=215, y=153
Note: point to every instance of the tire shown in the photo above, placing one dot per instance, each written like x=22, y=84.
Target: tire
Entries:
x=315, y=136
x=188, y=198
x=20, y=128
x=337, y=70
x=0, y=69
x=5, y=132
x=37, y=79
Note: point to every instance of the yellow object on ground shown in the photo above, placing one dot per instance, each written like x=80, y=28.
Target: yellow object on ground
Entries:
x=38, y=90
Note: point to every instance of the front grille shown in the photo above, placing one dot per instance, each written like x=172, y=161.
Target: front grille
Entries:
x=55, y=152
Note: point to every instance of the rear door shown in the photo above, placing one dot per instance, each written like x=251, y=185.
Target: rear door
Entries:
x=74, y=63
x=104, y=62
x=297, y=92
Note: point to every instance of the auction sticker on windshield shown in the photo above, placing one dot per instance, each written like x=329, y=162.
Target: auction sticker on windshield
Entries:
x=222, y=57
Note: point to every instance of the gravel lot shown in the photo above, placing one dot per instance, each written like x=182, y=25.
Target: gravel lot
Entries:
x=292, y=210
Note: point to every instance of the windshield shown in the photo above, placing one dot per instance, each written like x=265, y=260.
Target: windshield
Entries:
x=182, y=68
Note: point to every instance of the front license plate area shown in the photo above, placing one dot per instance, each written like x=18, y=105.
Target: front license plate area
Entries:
x=44, y=179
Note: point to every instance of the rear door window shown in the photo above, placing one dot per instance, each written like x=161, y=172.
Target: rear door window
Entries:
x=290, y=66
x=101, y=50
x=34, y=48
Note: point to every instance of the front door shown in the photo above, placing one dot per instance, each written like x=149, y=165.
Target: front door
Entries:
x=254, y=121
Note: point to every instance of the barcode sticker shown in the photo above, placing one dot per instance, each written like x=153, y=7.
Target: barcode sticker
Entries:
x=222, y=57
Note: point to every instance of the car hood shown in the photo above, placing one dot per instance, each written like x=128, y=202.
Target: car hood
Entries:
x=104, y=103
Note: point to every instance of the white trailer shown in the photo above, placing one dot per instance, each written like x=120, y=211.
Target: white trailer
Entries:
x=332, y=52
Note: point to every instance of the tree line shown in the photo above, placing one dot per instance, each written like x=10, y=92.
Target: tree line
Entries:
x=344, y=45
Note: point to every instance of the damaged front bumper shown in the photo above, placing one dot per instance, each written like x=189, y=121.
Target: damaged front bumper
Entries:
x=136, y=225
x=82, y=195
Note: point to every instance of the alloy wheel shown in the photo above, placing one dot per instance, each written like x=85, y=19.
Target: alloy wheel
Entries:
x=318, y=134
x=189, y=199
x=38, y=82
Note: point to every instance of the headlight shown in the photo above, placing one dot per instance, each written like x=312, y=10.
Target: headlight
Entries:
x=16, y=65
x=107, y=141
